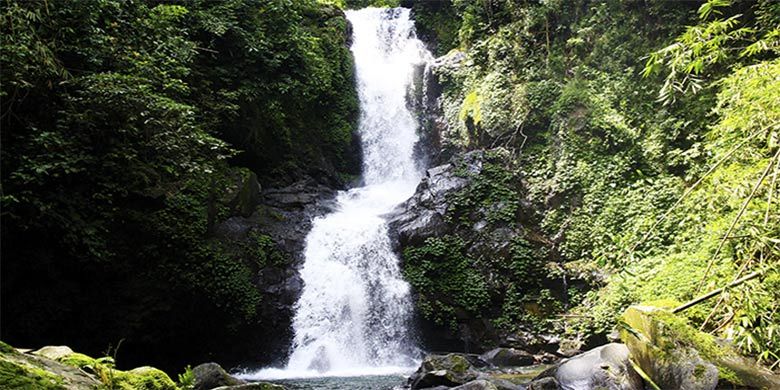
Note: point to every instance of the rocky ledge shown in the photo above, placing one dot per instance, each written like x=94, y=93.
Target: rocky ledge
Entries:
x=60, y=368
x=660, y=351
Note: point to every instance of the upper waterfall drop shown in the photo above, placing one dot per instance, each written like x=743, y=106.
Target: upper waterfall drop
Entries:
x=353, y=316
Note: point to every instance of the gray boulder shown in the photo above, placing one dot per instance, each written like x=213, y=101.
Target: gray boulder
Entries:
x=211, y=375
x=54, y=352
x=606, y=367
x=422, y=216
x=503, y=357
x=676, y=355
x=443, y=370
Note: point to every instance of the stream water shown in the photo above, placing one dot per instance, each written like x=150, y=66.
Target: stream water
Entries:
x=352, y=322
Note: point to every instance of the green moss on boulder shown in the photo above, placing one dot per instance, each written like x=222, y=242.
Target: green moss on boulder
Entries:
x=143, y=378
x=19, y=376
x=676, y=355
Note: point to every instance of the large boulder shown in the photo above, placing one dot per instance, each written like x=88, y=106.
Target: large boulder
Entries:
x=503, y=357
x=605, y=367
x=675, y=355
x=54, y=352
x=211, y=375
x=422, y=216
x=35, y=371
x=443, y=370
x=147, y=378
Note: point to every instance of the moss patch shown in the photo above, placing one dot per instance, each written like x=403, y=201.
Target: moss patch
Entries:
x=78, y=360
x=21, y=376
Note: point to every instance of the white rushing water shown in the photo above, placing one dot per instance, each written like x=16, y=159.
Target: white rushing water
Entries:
x=353, y=315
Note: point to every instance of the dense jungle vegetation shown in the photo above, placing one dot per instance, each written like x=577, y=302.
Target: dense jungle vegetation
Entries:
x=643, y=143
x=126, y=127
x=635, y=144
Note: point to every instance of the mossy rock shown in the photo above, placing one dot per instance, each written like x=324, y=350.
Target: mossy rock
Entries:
x=78, y=360
x=458, y=364
x=676, y=355
x=20, y=376
x=5, y=348
x=28, y=371
x=443, y=370
x=143, y=378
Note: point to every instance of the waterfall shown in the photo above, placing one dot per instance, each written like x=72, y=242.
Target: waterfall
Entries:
x=353, y=317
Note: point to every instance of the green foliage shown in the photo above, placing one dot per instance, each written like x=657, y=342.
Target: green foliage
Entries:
x=17, y=376
x=436, y=23
x=691, y=59
x=278, y=83
x=186, y=380
x=445, y=278
x=493, y=192
x=633, y=197
x=121, y=121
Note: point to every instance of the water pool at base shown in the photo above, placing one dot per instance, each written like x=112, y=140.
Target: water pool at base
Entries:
x=372, y=382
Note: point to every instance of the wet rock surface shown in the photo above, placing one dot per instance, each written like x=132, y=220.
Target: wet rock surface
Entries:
x=508, y=357
x=605, y=367
x=211, y=375
x=423, y=215
x=443, y=370
x=282, y=217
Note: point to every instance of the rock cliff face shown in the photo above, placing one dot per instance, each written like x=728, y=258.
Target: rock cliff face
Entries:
x=272, y=223
x=474, y=265
x=424, y=214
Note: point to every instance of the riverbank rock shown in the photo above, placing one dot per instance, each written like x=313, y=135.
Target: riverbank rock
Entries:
x=211, y=375
x=443, y=370
x=605, y=367
x=675, y=355
x=508, y=357
x=57, y=368
x=27, y=371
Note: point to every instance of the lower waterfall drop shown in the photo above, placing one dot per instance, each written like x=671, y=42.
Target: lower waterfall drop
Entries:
x=354, y=314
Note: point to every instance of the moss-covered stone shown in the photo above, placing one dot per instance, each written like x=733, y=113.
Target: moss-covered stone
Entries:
x=78, y=360
x=5, y=348
x=20, y=376
x=27, y=371
x=143, y=378
x=447, y=370
x=676, y=355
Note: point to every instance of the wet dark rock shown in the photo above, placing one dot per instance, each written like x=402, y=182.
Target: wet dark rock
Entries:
x=508, y=357
x=532, y=342
x=284, y=215
x=443, y=370
x=212, y=375
x=548, y=383
x=422, y=216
